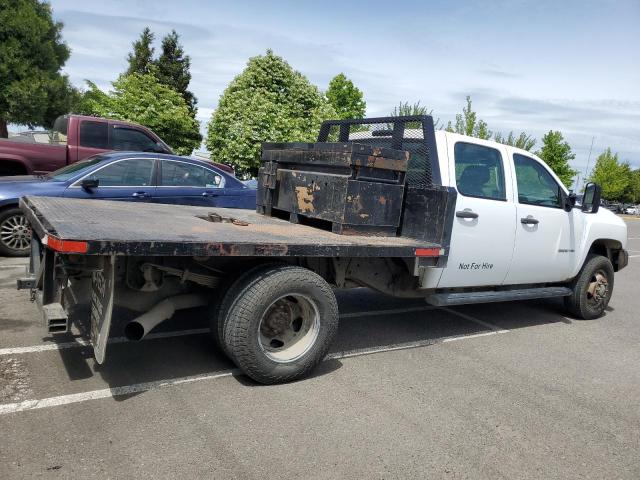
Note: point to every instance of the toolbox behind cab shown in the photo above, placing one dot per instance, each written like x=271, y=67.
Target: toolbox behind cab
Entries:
x=377, y=176
x=355, y=188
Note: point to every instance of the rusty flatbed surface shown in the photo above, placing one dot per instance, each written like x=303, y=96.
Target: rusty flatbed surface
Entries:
x=126, y=228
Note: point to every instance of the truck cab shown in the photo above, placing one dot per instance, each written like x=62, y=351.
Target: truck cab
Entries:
x=514, y=220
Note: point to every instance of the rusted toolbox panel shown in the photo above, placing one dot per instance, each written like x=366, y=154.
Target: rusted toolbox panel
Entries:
x=354, y=188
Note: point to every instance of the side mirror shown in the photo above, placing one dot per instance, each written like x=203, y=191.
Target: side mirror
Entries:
x=591, y=200
x=89, y=184
x=569, y=201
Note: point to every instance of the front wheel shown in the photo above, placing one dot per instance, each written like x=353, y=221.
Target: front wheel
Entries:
x=280, y=323
x=15, y=233
x=592, y=288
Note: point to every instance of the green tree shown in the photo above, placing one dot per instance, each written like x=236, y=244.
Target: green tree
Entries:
x=611, y=175
x=32, y=52
x=172, y=68
x=410, y=109
x=347, y=99
x=268, y=101
x=523, y=141
x=632, y=192
x=557, y=154
x=141, y=59
x=143, y=99
x=469, y=124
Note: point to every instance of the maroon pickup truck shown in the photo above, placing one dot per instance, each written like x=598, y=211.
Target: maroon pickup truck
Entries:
x=74, y=138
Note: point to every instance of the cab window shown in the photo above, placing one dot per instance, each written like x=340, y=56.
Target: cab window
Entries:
x=536, y=186
x=93, y=134
x=132, y=140
x=479, y=171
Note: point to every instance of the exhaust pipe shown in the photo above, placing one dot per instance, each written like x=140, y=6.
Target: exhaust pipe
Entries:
x=138, y=328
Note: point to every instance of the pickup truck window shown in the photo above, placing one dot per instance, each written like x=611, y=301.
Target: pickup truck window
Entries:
x=135, y=172
x=179, y=174
x=93, y=134
x=535, y=185
x=479, y=171
x=131, y=139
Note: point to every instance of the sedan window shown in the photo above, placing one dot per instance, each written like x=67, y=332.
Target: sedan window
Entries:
x=179, y=174
x=135, y=172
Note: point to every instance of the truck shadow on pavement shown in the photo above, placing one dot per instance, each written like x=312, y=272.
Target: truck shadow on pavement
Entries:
x=370, y=324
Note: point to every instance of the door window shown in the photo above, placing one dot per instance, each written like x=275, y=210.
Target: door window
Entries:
x=179, y=174
x=93, y=134
x=479, y=171
x=536, y=186
x=132, y=140
x=136, y=172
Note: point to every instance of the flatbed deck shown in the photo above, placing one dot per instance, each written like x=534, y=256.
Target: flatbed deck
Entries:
x=147, y=229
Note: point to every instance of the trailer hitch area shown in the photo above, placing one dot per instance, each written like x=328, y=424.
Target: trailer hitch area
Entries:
x=217, y=218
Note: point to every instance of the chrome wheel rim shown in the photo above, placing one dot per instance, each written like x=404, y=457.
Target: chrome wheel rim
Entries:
x=597, y=288
x=289, y=328
x=15, y=232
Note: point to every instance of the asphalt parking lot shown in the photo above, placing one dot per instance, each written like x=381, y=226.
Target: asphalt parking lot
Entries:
x=514, y=390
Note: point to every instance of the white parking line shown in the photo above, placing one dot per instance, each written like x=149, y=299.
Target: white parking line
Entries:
x=107, y=393
x=180, y=333
x=146, y=386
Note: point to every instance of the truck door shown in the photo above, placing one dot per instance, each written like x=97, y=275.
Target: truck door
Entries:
x=545, y=233
x=483, y=232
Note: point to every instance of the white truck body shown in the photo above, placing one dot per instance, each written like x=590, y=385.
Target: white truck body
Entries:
x=496, y=248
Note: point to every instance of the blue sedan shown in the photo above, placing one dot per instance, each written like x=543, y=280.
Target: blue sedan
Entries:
x=125, y=176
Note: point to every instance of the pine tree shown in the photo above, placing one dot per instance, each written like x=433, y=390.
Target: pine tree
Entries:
x=173, y=68
x=141, y=59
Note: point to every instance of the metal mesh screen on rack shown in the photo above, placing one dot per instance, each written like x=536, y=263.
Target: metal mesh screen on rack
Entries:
x=415, y=134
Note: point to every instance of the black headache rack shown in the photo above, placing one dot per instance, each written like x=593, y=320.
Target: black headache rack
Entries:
x=428, y=207
x=374, y=177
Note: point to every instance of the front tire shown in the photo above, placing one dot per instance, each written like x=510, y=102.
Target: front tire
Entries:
x=15, y=233
x=280, y=323
x=592, y=288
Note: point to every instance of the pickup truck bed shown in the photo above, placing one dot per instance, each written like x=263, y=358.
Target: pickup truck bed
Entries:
x=169, y=230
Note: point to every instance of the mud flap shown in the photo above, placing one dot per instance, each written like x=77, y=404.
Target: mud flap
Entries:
x=102, y=283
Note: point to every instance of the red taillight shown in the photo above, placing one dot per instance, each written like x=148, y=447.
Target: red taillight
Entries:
x=66, y=246
x=427, y=252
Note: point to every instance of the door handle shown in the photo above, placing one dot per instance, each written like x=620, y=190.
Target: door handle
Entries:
x=466, y=214
x=529, y=220
x=209, y=194
x=140, y=195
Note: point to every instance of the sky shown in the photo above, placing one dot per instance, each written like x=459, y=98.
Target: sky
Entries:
x=527, y=65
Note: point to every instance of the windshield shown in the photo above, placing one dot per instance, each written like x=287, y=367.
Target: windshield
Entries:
x=74, y=169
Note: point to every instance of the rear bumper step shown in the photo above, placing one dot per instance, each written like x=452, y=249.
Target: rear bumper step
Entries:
x=464, y=298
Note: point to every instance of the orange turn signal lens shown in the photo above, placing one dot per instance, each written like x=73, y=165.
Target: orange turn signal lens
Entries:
x=66, y=246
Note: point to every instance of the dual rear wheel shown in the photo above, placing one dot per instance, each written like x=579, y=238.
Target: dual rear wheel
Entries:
x=276, y=322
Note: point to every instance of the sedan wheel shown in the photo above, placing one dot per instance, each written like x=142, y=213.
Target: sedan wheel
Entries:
x=15, y=233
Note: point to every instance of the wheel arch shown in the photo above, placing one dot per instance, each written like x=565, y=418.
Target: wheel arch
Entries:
x=606, y=247
x=13, y=166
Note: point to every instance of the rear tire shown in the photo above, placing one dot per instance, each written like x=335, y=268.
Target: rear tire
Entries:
x=15, y=233
x=279, y=322
x=592, y=288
